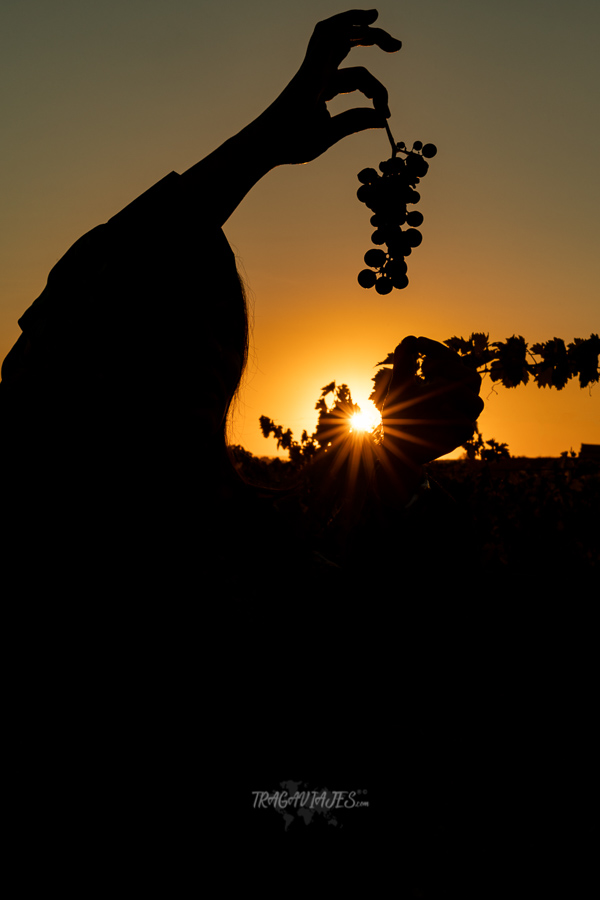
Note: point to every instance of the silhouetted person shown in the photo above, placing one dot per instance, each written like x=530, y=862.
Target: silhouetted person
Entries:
x=127, y=524
x=115, y=396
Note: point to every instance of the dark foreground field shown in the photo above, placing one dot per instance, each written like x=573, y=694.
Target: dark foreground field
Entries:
x=521, y=517
x=463, y=654
x=531, y=513
x=442, y=666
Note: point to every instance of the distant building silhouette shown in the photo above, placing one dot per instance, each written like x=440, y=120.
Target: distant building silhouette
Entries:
x=590, y=451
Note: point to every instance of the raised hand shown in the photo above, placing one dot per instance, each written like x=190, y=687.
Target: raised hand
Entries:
x=299, y=123
x=297, y=126
x=427, y=416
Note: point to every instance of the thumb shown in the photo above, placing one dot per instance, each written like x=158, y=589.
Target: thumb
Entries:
x=353, y=121
x=405, y=360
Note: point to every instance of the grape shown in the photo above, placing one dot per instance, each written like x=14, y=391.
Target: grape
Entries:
x=397, y=244
x=366, y=194
x=375, y=258
x=367, y=278
x=417, y=166
x=395, y=268
x=368, y=176
x=387, y=195
x=395, y=164
x=414, y=218
x=383, y=285
x=396, y=192
x=413, y=237
x=400, y=281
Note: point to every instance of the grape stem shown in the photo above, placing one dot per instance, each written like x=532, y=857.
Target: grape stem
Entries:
x=392, y=141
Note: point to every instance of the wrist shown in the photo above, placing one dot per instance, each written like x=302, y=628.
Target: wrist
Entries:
x=256, y=146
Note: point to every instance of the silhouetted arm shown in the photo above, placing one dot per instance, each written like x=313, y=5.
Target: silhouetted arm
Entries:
x=297, y=127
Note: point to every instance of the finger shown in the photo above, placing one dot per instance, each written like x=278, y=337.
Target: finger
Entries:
x=330, y=40
x=451, y=370
x=353, y=121
x=405, y=360
x=333, y=38
x=408, y=345
x=477, y=409
x=359, y=79
x=368, y=37
x=459, y=406
x=430, y=347
x=343, y=21
x=464, y=406
x=450, y=403
x=443, y=362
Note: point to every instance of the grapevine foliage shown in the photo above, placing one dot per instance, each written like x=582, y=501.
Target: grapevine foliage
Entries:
x=511, y=362
x=331, y=421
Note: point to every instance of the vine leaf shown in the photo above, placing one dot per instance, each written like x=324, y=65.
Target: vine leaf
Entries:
x=555, y=369
x=328, y=389
x=381, y=380
x=583, y=356
x=510, y=366
x=475, y=352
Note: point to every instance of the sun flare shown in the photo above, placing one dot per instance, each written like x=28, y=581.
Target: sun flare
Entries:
x=365, y=420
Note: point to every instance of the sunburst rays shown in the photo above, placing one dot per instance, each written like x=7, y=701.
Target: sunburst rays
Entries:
x=354, y=440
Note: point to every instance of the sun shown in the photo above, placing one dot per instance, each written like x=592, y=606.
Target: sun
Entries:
x=365, y=420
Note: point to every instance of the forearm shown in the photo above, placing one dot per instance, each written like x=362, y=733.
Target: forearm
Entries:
x=222, y=179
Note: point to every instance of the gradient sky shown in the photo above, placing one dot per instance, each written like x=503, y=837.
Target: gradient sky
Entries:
x=99, y=101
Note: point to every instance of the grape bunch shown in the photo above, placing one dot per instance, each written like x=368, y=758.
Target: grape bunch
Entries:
x=387, y=196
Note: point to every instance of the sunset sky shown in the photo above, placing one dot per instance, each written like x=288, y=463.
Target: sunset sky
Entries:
x=101, y=100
